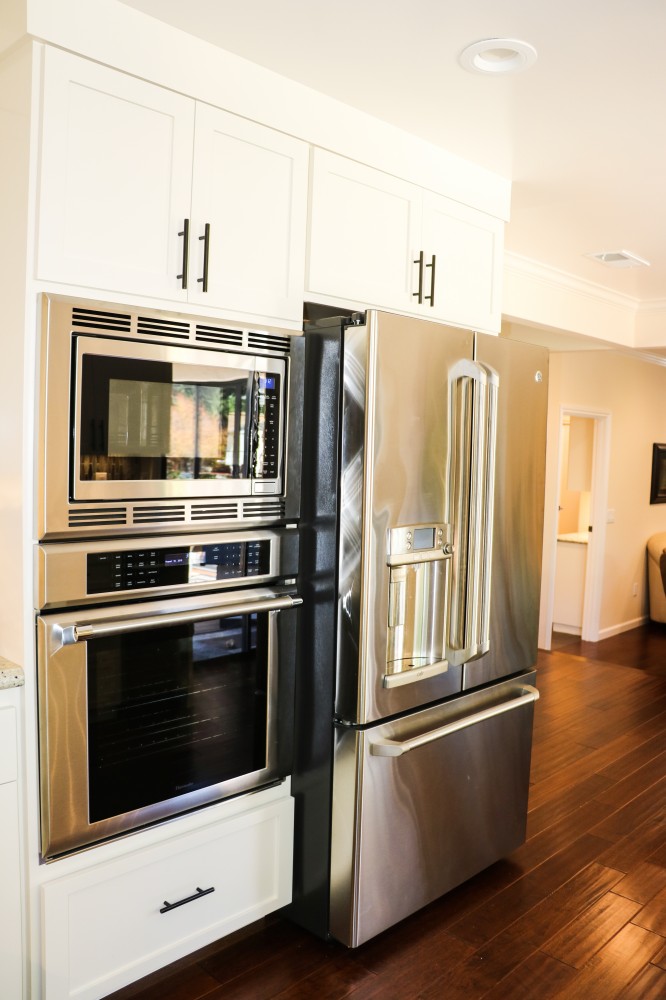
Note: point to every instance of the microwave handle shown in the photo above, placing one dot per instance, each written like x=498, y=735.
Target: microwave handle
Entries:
x=76, y=633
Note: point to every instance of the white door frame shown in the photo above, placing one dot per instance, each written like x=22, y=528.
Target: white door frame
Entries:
x=594, y=575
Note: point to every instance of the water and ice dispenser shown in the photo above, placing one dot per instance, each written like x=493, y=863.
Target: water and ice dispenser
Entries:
x=418, y=557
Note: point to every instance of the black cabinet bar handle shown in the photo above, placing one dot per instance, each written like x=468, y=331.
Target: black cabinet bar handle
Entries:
x=431, y=298
x=419, y=295
x=188, y=899
x=203, y=281
x=185, y=233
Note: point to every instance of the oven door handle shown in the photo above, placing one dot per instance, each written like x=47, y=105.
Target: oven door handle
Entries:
x=396, y=748
x=76, y=633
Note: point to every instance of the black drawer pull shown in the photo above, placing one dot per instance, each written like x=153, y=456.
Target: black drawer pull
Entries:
x=203, y=280
x=431, y=298
x=188, y=899
x=419, y=294
x=185, y=233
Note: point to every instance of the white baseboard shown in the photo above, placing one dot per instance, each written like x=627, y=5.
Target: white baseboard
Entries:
x=567, y=629
x=606, y=633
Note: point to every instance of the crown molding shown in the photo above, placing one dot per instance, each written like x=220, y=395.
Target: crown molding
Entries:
x=537, y=271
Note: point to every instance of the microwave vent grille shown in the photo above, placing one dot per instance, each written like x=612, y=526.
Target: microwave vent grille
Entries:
x=263, y=508
x=219, y=335
x=95, y=319
x=268, y=342
x=159, y=515
x=93, y=517
x=214, y=511
x=152, y=326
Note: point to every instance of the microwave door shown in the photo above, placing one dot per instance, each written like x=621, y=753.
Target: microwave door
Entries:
x=154, y=422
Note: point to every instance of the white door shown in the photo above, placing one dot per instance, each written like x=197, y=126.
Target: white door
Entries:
x=250, y=189
x=115, y=180
x=467, y=245
x=364, y=228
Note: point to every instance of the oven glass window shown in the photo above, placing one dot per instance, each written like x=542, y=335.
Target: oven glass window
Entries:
x=174, y=710
x=151, y=420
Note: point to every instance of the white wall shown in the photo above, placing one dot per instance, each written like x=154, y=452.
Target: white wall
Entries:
x=633, y=391
x=15, y=451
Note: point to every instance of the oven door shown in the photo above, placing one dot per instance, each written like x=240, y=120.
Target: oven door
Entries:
x=153, y=421
x=152, y=709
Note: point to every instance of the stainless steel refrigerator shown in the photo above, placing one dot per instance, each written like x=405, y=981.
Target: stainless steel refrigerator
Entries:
x=421, y=526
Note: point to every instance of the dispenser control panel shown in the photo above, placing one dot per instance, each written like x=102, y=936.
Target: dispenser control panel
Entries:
x=418, y=543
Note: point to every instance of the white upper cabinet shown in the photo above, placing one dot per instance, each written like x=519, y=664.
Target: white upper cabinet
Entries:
x=115, y=179
x=250, y=190
x=468, y=248
x=133, y=175
x=376, y=240
x=363, y=226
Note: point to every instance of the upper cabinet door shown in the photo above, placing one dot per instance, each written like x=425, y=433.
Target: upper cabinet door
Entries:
x=377, y=240
x=249, y=206
x=115, y=179
x=468, y=249
x=364, y=226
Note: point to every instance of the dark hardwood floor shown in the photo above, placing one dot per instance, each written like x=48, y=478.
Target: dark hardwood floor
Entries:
x=579, y=911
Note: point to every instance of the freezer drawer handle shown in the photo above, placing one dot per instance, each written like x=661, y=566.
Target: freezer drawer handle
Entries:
x=394, y=748
x=75, y=633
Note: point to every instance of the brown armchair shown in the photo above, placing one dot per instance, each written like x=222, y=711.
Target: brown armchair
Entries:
x=656, y=549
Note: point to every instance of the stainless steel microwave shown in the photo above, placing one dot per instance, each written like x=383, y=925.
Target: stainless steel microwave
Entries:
x=155, y=421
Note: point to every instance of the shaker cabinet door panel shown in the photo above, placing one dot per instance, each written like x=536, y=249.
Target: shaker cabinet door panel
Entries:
x=115, y=179
x=250, y=187
x=364, y=231
x=468, y=247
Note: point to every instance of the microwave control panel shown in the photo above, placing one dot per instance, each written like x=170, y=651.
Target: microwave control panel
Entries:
x=182, y=566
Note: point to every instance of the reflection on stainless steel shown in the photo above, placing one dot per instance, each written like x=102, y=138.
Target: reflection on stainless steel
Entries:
x=430, y=818
x=216, y=658
x=429, y=684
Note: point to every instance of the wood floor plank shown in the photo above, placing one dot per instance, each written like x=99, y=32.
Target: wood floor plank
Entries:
x=582, y=938
x=649, y=984
x=653, y=915
x=644, y=841
x=608, y=974
x=539, y=976
x=643, y=883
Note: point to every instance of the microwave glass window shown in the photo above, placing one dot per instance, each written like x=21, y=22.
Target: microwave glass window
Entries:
x=150, y=420
x=174, y=710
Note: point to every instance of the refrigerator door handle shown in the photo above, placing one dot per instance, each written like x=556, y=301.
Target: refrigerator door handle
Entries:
x=397, y=748
x=473, y=393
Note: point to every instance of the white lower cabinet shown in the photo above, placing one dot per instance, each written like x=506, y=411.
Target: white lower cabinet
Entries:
x=11, y=936
x=112, y=923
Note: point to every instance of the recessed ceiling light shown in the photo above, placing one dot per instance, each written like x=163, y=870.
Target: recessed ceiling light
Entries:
x=498, y=55
x=619, y=258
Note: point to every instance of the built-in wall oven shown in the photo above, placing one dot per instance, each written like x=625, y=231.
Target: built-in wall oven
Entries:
x=158, y=422
x=153, y=707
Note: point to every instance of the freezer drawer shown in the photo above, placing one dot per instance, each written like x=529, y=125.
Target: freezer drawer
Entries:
x=422, y=803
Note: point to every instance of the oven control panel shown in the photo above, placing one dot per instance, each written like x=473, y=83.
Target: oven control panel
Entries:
x=118, y=569
x=123, y=570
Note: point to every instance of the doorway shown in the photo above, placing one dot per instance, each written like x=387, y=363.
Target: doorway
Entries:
x=577, y=544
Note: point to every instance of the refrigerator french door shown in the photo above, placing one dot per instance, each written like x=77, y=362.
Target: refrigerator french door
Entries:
x=423, y=472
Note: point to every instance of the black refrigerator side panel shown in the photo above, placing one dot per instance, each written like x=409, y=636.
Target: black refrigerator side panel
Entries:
x=315, y=676
x=518, y=508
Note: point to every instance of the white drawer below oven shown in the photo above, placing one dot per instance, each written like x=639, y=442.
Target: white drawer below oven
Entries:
x=103, y=927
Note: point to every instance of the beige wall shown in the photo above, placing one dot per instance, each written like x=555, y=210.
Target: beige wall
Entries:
x=633, y=392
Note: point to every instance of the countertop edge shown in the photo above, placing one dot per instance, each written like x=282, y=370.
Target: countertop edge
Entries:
x=11, y=675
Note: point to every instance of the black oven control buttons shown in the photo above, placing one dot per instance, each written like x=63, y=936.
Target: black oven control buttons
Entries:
x=181, y=566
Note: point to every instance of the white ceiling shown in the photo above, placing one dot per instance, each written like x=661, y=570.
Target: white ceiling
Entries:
x=582, y=134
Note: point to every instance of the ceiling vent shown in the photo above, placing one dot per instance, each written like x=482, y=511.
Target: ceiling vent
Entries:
x=619, y=258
